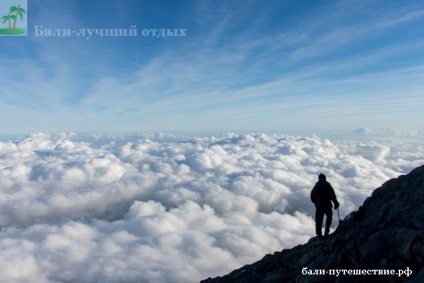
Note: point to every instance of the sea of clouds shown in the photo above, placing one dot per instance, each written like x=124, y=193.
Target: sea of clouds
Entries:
x=165, y=208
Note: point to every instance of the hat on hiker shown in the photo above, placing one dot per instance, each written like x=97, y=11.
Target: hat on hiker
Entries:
x=322, y=177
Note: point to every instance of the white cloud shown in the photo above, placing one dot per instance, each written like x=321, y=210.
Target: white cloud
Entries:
x=158, y=208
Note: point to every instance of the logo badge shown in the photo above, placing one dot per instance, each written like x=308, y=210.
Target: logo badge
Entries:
x=13, y=17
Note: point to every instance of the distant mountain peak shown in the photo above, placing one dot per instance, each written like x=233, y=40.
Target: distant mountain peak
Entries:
x=362, y=131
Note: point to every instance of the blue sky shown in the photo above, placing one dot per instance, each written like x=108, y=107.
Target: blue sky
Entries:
x=242, y=66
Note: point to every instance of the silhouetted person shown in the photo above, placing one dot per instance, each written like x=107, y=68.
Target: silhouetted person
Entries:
x=322, y=195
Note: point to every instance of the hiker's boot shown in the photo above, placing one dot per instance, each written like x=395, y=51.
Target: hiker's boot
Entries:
x=326, y=233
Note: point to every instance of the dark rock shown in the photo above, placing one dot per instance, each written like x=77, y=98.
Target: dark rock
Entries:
x=419, y=278
x=386, y=233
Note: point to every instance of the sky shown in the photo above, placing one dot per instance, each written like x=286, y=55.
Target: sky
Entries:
x=262, y=66
x=172, y=209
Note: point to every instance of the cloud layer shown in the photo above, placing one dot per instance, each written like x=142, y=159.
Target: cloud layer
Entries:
x=159, y=208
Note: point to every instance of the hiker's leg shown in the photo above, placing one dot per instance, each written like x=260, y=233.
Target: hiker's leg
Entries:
x=319, y=217
x=329, y=215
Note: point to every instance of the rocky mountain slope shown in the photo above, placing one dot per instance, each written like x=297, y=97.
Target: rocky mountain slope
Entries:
x=381, y=242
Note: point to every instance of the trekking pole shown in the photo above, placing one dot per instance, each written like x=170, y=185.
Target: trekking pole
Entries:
x=338, y=213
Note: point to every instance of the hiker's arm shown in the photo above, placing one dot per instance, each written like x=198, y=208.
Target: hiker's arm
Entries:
x=334, y=198
x=313, y=197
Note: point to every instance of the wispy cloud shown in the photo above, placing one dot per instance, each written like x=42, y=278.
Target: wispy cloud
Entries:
x=230, y=62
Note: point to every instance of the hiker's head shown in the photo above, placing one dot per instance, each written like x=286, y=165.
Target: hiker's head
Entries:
x=322, y=177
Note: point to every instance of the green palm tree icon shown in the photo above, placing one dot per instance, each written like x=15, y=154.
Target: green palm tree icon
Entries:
x=18, y=11
x=8, y=18
x=15, y=12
